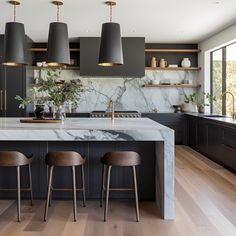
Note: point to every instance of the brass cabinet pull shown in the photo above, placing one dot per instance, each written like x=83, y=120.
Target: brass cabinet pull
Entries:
x=1, y=99
x=5, y=100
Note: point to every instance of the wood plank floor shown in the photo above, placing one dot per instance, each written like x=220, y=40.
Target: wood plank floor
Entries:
x=205, y=206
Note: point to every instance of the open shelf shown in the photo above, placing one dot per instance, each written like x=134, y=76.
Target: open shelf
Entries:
x=62, y=68
x=146, y=50
x=174, y=68
x=172, y=50
x=171, y=86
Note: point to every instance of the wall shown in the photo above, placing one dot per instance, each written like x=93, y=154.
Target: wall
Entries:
x=128, y=92
x=220, y=39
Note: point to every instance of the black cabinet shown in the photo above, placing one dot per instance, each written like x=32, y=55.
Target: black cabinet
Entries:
x=174, y=121
x=213, y=139
x=13, y=82
x=192, y=132
x=202, y=134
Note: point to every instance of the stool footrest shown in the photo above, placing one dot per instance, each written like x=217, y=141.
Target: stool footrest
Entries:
x=13, y=189
x=65, y=189
x=120, y=189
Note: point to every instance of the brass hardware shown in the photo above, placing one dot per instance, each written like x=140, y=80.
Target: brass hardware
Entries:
x=110, y=3
x=112, y=105
x=5, y=100
x=1, y=99
x=225, y=93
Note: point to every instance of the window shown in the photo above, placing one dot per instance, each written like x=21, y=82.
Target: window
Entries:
x=223, y=78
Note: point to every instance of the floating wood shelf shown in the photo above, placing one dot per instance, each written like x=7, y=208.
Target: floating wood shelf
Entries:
x=146, y=50
x=172, y=50
x=45, y=49
x=174, y=68
x=63, y=68
x=171, y=86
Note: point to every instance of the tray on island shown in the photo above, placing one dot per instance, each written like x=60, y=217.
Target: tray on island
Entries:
x=35, y=120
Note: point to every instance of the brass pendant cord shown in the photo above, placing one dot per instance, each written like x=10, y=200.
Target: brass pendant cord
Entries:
x=110, y=12
x=14, y=12
x=58, y=12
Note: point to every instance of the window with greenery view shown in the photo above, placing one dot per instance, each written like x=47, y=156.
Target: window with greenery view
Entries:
x=223, y=71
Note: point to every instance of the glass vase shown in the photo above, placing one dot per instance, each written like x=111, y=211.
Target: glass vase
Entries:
x=59, y=113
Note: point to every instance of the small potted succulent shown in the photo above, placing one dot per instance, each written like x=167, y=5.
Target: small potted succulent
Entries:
x=207, y=100
x=190, y=103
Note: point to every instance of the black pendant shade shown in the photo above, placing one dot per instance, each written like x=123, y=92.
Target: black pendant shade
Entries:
x=14, y=44
x=111, y=52
x=58, y=45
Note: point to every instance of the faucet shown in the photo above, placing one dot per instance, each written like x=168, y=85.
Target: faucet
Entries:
x=227, y=92
x=112, y=105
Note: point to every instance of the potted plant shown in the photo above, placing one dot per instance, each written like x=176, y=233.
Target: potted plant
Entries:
x=56, y=92
x=207, y=100
x=35, y=99
x=59, y=91
x=190, y=104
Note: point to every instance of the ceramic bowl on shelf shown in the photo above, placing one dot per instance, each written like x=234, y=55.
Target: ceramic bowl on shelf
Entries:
x=39, y=64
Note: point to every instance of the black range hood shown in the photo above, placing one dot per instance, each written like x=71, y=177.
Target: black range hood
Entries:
x=134, y=58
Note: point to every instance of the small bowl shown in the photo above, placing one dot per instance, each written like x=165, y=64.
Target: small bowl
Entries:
x=39, y=64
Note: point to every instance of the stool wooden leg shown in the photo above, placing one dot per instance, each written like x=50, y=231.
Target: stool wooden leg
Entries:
x=48, y=193
x=74, y=193
x=136, y=192
x=18, y=192
x=107, y=192
x=103, y=184
x=30, y=184
x=83, y=184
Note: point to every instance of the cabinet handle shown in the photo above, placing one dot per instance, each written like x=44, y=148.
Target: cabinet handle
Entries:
x=1, y=99
x=5, y=100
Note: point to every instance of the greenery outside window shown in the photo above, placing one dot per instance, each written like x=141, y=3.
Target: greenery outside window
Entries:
x=223, y=78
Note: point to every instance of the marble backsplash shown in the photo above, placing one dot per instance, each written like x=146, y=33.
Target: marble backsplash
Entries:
x=129, y=93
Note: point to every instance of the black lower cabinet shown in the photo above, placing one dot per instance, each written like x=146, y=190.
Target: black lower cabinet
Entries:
x=93, y=151
x=213, y=139
x=175, y=121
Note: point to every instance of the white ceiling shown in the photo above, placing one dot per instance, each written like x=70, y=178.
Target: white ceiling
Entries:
x=163, y=21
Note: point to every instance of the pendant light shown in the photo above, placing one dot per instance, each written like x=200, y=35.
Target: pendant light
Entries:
x=111, y=52
x=14, y=41
x=58, y=41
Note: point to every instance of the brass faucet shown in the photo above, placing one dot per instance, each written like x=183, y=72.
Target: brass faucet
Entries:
x=227, y=92
x=112, y=104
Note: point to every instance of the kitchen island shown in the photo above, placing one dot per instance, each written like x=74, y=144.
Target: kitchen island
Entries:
x=93, y=137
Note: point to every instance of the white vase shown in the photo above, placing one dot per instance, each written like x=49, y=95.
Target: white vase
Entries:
x=186, y=62
x=189, y=107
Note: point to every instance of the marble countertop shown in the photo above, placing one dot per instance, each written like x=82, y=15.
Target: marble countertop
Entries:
x=223, y=119
x=85, y=129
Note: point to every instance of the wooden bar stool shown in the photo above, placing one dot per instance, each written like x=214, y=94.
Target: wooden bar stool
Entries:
x=17, y=159
x=64, y=159
x=129, y=159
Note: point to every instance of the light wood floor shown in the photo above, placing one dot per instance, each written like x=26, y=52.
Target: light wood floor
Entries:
x=205, y=206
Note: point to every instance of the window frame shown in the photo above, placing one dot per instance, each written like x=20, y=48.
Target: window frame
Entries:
x=224, y=75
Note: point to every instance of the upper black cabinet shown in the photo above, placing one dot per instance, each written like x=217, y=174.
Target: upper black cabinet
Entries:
x=134, y=58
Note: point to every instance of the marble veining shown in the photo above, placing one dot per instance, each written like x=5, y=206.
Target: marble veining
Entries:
x=86, y=129
x=128, y=92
